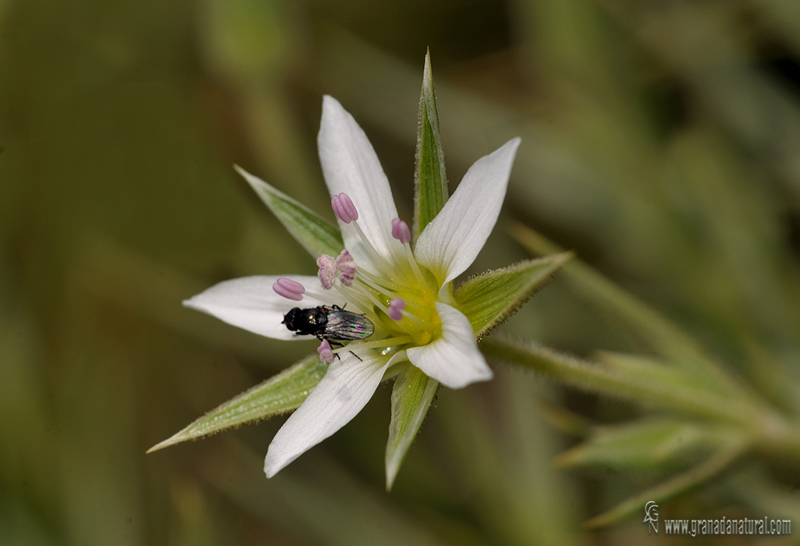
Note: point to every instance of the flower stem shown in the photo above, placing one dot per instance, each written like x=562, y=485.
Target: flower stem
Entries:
x=595, y=377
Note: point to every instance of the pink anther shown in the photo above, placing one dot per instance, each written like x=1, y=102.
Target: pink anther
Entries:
x=345, y=260
x=327, y=271
x=325, y=352
x=347, y=267
x=396, y=308
x=400, y=231
x=289, y=289
x=344, y=208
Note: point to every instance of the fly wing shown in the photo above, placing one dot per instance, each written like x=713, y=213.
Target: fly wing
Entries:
x=346, y=326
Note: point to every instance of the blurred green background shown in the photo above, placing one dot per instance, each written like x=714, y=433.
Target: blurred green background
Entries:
x=660, y=140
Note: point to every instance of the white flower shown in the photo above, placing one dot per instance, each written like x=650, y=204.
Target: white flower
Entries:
x=405, y=293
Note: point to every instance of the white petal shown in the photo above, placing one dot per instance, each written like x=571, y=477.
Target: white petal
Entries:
x=350, y=165
x=454, y=359
x=346, y=388
x=451, y=242
x=252, y=304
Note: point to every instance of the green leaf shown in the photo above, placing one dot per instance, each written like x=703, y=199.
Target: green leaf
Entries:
x=412, y=395
x=279, y=394
x=430, y=179
x=650, y=327
x=643, y=445
x=489, y=298
x=566, y=421
x=657, y=371
x=757, y=488
x=316, y=234
x=673, y=487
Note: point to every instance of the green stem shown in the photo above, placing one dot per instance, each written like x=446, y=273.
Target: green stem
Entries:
x=594, y=377
x=649, y=326
x=762, y=427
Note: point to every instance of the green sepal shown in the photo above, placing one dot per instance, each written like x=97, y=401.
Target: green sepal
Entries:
x=279, y=394
x=430, y=178
x=675, y=486
x=489, y=298
x=644, y=445
x=412, y=396
x=317, y=235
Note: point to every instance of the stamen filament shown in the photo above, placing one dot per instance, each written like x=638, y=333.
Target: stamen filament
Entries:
x=372, y=298
x=408, y=298
x=378, y=259
x=410, y=295
x=354, y=297
x=384, y=284
x=318, y=295
x=413, y=318
x=414, y=267
x=374, y=284
x=386, y=342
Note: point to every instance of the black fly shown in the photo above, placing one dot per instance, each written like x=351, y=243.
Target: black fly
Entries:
x=331, y=323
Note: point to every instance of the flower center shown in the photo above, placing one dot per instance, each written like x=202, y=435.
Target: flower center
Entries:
x=402, y=309
x=399, y=300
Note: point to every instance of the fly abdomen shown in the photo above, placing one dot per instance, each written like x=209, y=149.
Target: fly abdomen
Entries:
x=345, y=325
